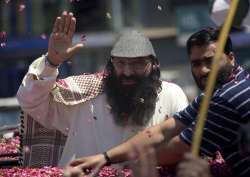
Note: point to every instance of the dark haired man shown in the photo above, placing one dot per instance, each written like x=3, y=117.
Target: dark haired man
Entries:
x=229, y=108
x=98, y=111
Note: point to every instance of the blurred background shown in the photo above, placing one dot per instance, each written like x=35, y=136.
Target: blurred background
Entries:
x=26, y=24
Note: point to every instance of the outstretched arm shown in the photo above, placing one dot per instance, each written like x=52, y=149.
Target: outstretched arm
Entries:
x=158, y=136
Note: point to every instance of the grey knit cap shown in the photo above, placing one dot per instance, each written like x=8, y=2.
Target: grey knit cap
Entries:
x=131, y=44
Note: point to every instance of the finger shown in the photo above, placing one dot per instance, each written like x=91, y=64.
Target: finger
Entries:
x=190, y=169
x=187, y=172
x=72, y=172
x=85, y=166
x=56, y=25
x=184, y=165
x=181, y=173
x=62, y=24
x=72, y=27
x=67, y=22
x=76, y=162
x=189, y=156
x=74, y=49
x=96, y=170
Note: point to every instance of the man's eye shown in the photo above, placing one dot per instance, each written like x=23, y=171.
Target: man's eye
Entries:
x=140, y=63
x=209, y=61
x=196, y=64
x=120, y=63
x=137, y=63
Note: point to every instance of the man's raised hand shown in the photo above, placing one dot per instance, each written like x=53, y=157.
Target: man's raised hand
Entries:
x=60, y=41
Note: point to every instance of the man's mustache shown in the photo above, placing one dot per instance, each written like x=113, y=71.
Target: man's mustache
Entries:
x=130, y=78
x=204, y=78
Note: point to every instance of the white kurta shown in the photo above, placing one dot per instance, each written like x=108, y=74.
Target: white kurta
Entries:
x=89, y=126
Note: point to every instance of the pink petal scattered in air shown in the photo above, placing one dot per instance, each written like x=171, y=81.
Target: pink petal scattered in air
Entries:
x=71, y=1
x=26, y=149
x=43, y=36
x=3, y=35
x=83, y=38
x=3, y=45
x=108, y=15
x=7, y=1
x=159, y=7
x=21, y=7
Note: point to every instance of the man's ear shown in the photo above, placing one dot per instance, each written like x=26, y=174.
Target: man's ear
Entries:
x=232, y=58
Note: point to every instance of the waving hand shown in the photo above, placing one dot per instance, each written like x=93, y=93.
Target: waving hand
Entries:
x=60, y=41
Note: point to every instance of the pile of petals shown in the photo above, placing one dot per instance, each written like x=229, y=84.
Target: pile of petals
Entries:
x=11, y=146
x=109, y=171
x=57, y=172
x=8, y=147
x=219, y=171
x=29, y=172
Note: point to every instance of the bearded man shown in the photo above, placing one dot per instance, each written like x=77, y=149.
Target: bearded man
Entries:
x=98, y=111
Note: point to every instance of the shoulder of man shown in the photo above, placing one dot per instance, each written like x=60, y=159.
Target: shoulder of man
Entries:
x=233, y=89
x=168, y=86
x=78, y=89
x=235, y=94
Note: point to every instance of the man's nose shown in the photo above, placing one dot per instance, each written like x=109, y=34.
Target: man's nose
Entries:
x=204, y=70
x=127, y=70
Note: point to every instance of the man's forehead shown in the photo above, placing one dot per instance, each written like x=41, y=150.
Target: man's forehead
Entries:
x=132, y=59
x=206, y=50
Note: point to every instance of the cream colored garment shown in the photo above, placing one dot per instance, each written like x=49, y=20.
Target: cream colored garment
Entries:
x=89, y=125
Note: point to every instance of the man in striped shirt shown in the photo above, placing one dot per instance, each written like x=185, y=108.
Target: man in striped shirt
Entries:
x=229, y=106
x=228, y=110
